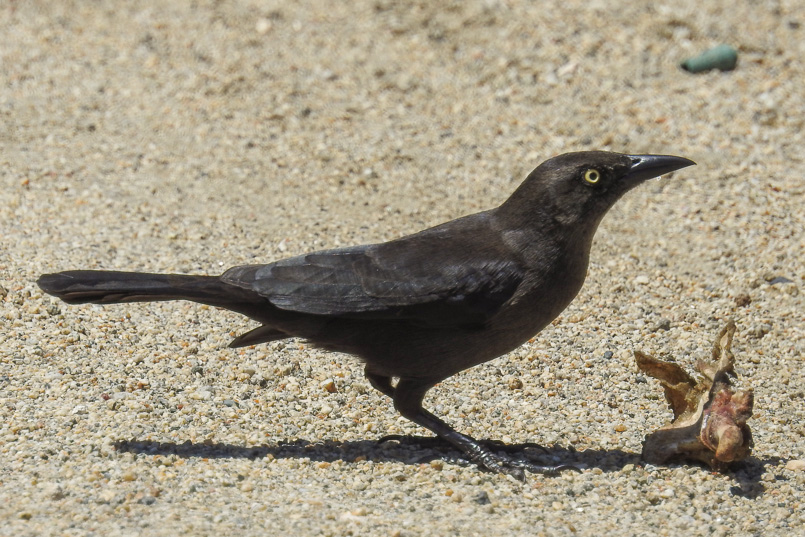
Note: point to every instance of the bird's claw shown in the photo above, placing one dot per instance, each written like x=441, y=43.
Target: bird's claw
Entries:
x=500, y=461
x=517, y=468
x=430, y=442
x=499, y=445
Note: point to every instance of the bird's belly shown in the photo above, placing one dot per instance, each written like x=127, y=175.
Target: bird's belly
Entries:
x=408, y=350
x=411, y=351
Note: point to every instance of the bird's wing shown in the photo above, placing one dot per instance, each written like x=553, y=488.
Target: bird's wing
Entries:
x=431, y=278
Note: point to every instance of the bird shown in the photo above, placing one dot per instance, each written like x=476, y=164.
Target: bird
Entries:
x=418, y=309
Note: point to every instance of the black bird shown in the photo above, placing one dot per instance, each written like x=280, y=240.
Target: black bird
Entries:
x=426, y=306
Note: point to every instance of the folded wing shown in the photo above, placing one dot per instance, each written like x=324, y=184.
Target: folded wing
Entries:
x=427, y=278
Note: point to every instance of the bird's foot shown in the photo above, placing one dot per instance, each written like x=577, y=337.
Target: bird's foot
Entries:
x=428, y=442
x=437, y=442
x=491, y=455
x=499, y=445
x=505, y=464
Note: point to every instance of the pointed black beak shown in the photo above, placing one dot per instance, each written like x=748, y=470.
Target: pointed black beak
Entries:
x=650, y=166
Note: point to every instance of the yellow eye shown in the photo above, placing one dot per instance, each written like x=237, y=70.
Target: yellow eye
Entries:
x=592, y=176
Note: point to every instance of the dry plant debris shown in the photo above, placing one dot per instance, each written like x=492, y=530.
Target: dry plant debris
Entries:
x=710, y=415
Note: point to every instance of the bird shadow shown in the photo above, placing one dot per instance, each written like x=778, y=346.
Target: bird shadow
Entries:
x=416, y=450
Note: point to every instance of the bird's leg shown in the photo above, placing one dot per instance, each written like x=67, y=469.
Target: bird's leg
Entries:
x=408, y=395
x=380, y=383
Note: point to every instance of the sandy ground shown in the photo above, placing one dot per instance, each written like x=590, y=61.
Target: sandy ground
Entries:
x=192, y=136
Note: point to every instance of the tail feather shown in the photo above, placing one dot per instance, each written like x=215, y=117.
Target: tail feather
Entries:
x=261, y=334
x=108, y=287
x=111, y=287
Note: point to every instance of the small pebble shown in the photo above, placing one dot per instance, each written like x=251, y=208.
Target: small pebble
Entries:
x=202, y=395
x=329, y=386
x=722, y=57
x=796, y=465
x=515, y=384
x=263, y=26
x=759, y=330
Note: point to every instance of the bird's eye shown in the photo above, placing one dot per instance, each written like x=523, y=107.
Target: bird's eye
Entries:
x=592, y=176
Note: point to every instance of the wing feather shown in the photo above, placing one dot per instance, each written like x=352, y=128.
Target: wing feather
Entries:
x=429, y=277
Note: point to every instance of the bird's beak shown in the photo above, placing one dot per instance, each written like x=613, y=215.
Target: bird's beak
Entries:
x=649, y=166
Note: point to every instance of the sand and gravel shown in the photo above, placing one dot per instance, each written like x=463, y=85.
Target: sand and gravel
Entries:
x=192, y=136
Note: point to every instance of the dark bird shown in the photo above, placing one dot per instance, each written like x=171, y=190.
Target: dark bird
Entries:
x=426, y=306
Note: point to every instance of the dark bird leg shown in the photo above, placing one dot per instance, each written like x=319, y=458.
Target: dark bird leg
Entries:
x=380, y=383
x=408, y=396
x=450, y=436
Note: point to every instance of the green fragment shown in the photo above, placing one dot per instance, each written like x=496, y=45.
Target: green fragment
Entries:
x=722, y=57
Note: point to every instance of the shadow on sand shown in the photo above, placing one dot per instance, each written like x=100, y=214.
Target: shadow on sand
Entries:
x=418, y=450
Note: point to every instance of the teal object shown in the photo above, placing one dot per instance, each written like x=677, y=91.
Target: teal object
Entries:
x=722, y=57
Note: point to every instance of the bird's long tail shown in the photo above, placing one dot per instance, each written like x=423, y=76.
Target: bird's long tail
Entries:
x=111, y=287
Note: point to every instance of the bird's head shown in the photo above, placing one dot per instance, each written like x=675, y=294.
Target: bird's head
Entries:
x=575, y=190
